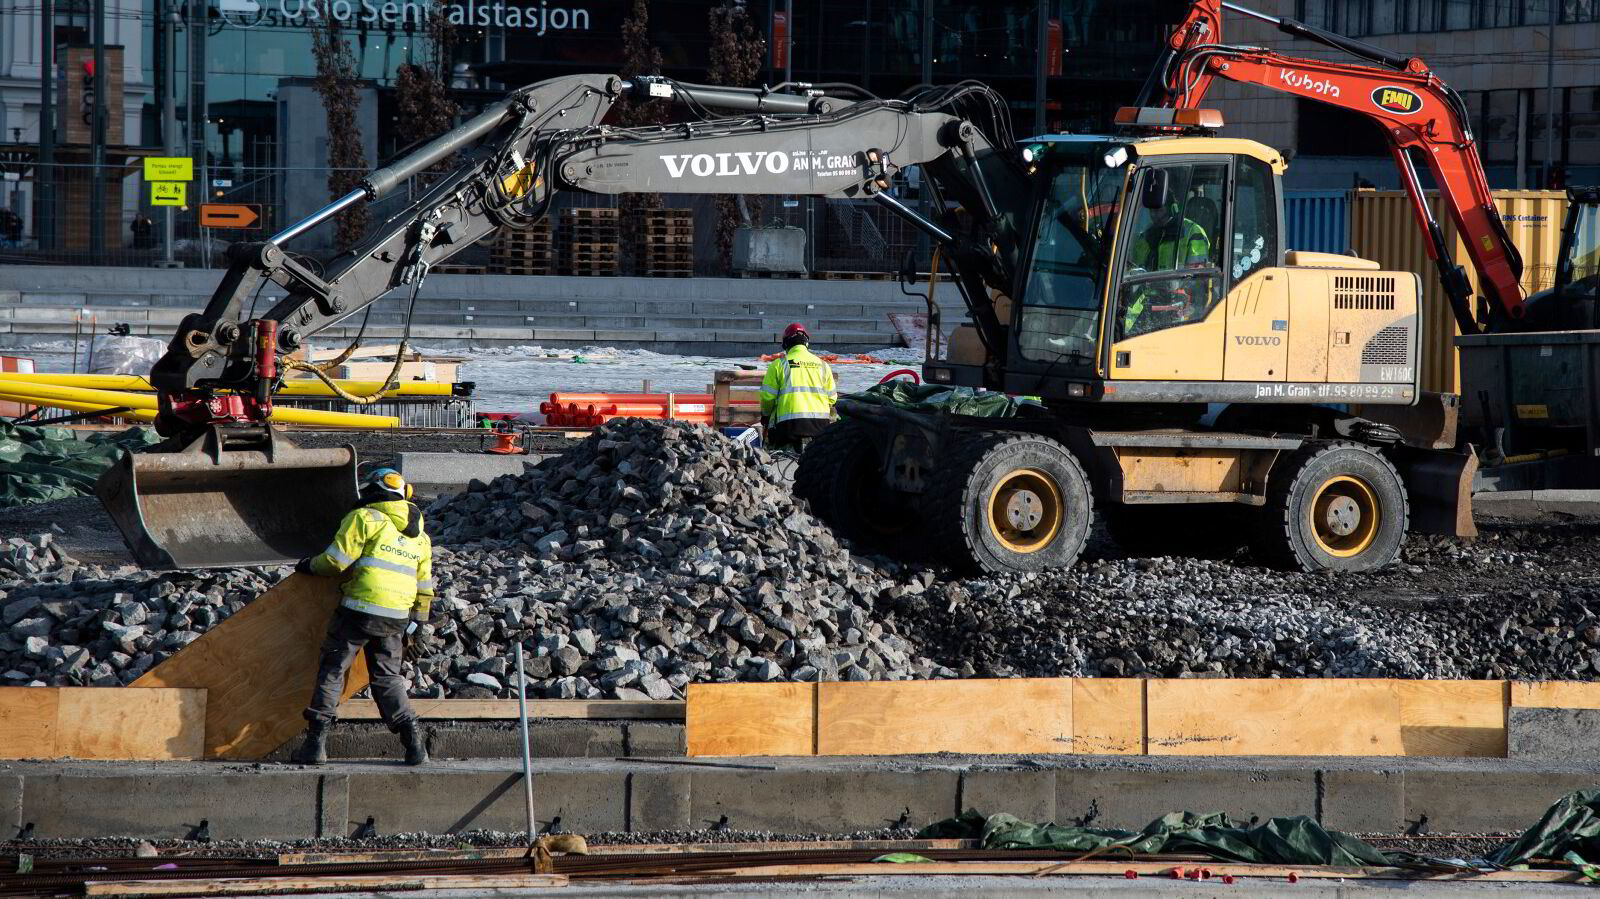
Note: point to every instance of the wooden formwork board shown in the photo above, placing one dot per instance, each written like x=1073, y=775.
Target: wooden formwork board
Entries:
x=1106, y=716
x=258, y=668
x=101, y=723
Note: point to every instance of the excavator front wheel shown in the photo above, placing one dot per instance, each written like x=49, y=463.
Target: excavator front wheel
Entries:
x=1008, y=502
x=1334, y=506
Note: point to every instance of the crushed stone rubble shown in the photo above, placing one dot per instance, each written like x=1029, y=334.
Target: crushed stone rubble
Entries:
x=652, y=555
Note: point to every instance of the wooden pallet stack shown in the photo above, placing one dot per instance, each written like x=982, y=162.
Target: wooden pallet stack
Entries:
x=667, y=243
x=590, y=240
x=522, y=251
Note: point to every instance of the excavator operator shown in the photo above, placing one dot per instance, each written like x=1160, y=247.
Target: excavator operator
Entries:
x=1172, y=241
x=388, y=593
x=797, y=394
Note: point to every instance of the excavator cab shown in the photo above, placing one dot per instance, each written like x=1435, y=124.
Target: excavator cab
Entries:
x=1157, y=275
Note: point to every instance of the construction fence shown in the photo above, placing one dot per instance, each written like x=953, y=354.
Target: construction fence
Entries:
x=126, y=223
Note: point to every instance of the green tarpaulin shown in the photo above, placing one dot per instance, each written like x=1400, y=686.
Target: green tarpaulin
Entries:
x=1569, y=832
x=40, y=464
x=1284, y=841
x=932, y=397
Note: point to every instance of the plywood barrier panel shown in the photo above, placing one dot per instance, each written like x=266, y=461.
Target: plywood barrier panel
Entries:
x=101, y=723
x=1555, y=694
x=1459, y=718
x=1108, y=716
x=751, y=719
x=903, y=717
x=110, y=723
x=258, y=667
x=28, y=722
x=1273, y=717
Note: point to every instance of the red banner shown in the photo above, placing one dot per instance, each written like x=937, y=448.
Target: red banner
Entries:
x=1055, y=49
x=780, y=39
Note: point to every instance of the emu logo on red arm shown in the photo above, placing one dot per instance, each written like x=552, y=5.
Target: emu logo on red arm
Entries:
x=1396, y=99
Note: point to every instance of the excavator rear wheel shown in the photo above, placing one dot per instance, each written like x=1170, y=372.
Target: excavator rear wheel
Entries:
x=1008, y=502
x=1334, y=506
x=840, y=475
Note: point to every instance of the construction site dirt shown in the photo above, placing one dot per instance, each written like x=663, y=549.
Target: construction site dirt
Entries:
x=1519, y=602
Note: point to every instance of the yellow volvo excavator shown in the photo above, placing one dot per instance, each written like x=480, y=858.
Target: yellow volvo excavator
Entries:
x=1128, y=279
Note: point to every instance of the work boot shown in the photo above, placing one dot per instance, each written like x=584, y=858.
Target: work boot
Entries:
x=416, y=743
x=314, y=751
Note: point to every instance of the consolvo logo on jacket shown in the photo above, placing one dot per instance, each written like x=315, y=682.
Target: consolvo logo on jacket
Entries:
x=1396, y=99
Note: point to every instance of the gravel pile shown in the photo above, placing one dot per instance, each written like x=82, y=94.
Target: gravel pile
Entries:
x=1517, y=604
x=67, y=624
x=652, y=555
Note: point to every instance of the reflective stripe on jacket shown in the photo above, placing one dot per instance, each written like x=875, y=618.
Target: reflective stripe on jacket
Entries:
x=797, y=385
x=389, y=557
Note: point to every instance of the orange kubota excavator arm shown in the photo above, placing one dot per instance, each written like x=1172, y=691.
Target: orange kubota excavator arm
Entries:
x=1419, y=113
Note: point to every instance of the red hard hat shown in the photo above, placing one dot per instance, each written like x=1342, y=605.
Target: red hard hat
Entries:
x=795, y=329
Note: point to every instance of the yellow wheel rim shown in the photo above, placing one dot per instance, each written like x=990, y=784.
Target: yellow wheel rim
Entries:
x=1345, y=516
x=1025, y=510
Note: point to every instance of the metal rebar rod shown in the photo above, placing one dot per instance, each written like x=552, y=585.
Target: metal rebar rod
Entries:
x=527, y=754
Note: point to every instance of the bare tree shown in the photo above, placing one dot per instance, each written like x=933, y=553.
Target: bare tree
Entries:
x=337, y=82
x=426, y=108
x=639, y=57
x=738, y=53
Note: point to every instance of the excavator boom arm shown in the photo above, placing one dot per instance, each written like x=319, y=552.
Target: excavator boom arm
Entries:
x=1420, y=115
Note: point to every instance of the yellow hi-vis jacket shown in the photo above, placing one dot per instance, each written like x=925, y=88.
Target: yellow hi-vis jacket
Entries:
x=390, y=559
x=798, y=385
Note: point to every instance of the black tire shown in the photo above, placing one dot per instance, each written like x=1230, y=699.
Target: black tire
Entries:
x=1206, y=530
x=1333, y=506
x=1008, y=502
x=840, y=475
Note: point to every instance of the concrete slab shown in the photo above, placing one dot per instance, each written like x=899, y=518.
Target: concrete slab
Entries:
x=1132, y=798
x=1551, y=733
x=252, y=805
x=823, y=800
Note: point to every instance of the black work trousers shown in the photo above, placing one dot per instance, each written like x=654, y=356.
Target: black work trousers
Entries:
x=383, y=641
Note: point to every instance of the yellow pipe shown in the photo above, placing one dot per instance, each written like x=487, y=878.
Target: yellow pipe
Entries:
x=292, y=387
x=72, y=406
x=44, y=394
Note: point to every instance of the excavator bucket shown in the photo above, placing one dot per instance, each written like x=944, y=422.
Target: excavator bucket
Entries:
x=208, y=507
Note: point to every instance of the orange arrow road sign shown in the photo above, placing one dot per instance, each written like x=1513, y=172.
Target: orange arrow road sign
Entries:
x=230, y=215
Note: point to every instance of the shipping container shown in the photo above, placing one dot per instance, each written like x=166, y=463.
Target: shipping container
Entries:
x=1317, y=220
x=1383, y=229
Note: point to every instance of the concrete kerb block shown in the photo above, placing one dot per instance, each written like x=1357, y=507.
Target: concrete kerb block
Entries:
x=1364, y=801
x=259, y=805
x=547, y=739
x=1131, y=797
x=333, y=805
x=660, y=801
x=1487, y=801
x=1029, y=794
x=436, y=801
x=656, y=739
x=11, y=820
x=831, y=801
x=1551, y=734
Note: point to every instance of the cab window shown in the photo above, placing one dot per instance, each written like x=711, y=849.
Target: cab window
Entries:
x=1255, y=216
x=1172, y=267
